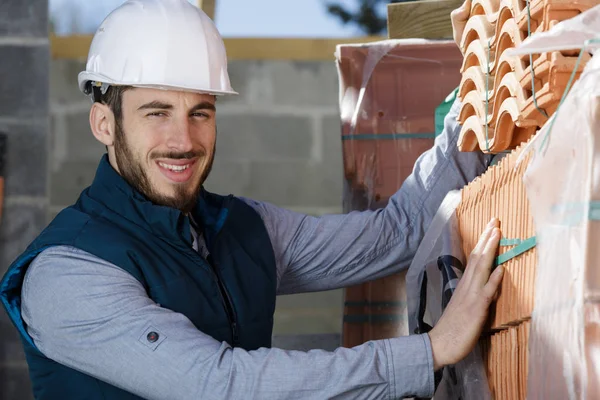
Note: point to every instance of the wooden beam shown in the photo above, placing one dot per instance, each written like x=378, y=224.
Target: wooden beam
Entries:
x=208, y=6
x=77, y=47
x=421, y=19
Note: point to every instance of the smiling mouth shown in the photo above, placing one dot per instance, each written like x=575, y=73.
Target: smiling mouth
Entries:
x=175, y=168
x=177, y=171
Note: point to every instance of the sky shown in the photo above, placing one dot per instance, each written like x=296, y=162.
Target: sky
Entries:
x=270, y=18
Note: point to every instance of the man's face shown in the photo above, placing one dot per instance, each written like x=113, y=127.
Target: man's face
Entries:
x=165, y=145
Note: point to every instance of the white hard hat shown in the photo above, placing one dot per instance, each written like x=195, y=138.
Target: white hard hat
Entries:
x=167, y=44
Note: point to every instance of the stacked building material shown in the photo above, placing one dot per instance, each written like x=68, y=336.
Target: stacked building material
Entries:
x=505, y=357
x=500, y=193
x=506, y=99
x=388, y=94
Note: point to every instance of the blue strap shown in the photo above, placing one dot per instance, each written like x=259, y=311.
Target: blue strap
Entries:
x=522, y=246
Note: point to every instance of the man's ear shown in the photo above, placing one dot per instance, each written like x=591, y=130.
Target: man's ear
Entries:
x=102, y=122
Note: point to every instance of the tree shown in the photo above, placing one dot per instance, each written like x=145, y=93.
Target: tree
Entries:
x=368, y=18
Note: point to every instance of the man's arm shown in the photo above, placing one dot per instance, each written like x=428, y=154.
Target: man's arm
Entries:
x=94, y=317
x=332, y=251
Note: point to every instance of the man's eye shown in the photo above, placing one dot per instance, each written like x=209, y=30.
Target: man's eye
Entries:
x=156, y=114
x=200, y=115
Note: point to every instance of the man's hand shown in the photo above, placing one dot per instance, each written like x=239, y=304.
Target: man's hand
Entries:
x=459, y=328
x=459, y=18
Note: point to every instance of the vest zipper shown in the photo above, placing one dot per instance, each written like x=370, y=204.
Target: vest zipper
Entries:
x=226, y=302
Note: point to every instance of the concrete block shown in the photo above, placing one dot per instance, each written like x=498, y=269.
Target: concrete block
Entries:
x=21, y=223
x=252, y=80
x=26, y=163
x=326, y=341
x=82, y=145
x=69, y=180
x=63, y=82
x=304, y=83
x=24, y=18
x=24, y=72
x=326, y=299
x=288, y=183
x=15, y=383
x=264, y=137
x=332, y=142
x=228, y=177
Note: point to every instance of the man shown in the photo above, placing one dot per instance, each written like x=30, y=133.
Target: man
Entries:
x=151, y=287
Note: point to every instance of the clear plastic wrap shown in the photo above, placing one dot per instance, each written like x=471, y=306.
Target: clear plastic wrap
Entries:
x=388, y=94
x=563, y=185
x=431, y=279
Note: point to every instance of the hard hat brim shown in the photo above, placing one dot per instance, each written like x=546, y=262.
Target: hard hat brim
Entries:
x=85, y=77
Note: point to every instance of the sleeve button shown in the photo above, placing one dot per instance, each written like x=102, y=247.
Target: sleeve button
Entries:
x=152, y=337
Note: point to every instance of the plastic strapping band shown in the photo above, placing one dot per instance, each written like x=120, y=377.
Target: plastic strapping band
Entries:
x=487, y=101
x=577, y=213
x=531, y=65
x=510, y=242
x=375, y=136
x=522, y=247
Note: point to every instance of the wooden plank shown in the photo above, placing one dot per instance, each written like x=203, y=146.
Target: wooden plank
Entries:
x=77, y=47
x=421, y=19
x=208, y=6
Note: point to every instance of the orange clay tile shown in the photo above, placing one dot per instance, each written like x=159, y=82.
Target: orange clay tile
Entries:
x=500, y=64
x=553, y=67
x=542, y=12
x=473, y=137
x=493, y=27
x=486, y=7
x=500, y=193
x=508, y=37
x=505, y=360
x=492, y=8
x=474, y=102
x=477, y=28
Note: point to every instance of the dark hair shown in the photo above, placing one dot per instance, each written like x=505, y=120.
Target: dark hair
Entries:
x=113, y=98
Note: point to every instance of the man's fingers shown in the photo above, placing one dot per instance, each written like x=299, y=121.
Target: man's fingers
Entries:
x=483, y=239
x=489, y=251
x=491, y=287
x=482, y=269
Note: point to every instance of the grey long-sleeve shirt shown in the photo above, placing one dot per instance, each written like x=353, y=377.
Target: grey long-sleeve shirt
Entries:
x=93, y=316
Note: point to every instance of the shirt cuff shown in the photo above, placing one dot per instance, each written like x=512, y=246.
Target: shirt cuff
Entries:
x=410, y=366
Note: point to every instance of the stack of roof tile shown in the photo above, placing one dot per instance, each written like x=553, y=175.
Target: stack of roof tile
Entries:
x=506, y=98
x=505, y=358
x=500, y=193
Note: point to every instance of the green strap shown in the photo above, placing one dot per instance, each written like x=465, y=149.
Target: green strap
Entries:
x=380, y=136
x=510, y=242
x=521, y=247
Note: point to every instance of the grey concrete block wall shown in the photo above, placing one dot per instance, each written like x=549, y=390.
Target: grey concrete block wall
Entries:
x=24, y=117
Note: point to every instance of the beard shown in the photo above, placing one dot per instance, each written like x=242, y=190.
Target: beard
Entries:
x=185, y=195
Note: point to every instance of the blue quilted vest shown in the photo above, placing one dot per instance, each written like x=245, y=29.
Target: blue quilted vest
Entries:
x=231, y=298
